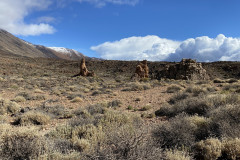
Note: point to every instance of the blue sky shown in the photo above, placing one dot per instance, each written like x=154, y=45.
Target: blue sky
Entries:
x=130, y=29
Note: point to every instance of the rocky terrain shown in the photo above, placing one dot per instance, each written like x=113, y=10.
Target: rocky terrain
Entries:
x=46, y=112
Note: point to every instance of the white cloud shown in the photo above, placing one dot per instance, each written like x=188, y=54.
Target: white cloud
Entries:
x=101, y=3
x=209, y=49
x=154, y=48
x=13, y=12
x=137, y=48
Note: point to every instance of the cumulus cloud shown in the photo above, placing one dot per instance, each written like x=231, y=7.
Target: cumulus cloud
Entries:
x=154, y=48
x=101, y=3
x=13, y=12
x=137, y=48
x=207, y=49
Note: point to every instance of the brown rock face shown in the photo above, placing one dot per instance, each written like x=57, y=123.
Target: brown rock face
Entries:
x=142, y=70
x=187, y=69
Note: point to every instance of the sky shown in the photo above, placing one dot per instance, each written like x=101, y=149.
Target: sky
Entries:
x=156, y=30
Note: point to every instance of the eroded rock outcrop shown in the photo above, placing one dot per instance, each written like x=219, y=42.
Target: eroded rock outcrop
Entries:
x=83, y=70
x=142, y=70
x=187, y=69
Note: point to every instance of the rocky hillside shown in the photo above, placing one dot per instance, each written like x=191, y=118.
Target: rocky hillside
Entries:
x=9, y=44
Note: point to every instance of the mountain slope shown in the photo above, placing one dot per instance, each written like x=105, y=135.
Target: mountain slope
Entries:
x=11, y=45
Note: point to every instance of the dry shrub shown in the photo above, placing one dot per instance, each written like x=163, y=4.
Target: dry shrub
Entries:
x=232, y=80
x=77, y=100
x=195, y=90
x=178, y=97
x=4, y=128
x=218, y=81
x=60, y=156
x=57, y=111
x=99, y=108
x=86, y=136
x=209, y=149
x=114, y=118
x=145, y=108
x=8, y=107
x=82, y=137
x=177, y=132
x=61, y=132
x=19, y=99
x=81, y=144
x=176, y=155
x=192, y=105
x=231, y=88
x=202, y=126
x=183, y=130
x=33, y=118
x=165, y=110
x=22, y=143
x=226, y=118
x=127, y=142
x=62, y=145
x=137, y=86
x=173, y=89
x=114, y=104
x=218, y=100
x=199, y=82
x=26, y=95
x=38, y=91
x=231, y=148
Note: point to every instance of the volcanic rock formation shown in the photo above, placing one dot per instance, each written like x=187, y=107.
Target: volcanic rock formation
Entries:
x=142, y=70
x=187, y=69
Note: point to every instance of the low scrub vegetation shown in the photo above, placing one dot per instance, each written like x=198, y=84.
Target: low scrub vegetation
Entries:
x=45, y=114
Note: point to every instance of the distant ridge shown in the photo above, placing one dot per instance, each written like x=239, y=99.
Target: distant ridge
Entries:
x=9, y=44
